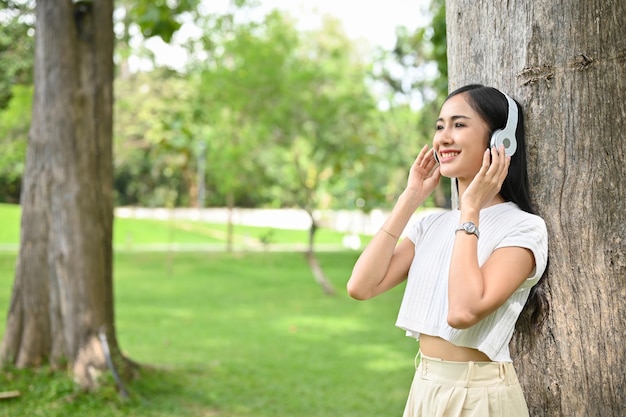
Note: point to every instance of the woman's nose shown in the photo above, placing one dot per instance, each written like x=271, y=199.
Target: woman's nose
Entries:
x=443, y=136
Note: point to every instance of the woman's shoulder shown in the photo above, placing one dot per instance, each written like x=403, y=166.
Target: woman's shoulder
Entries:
x=431, y=216
x=427, y=219
x=510, y=210
x=507, y=221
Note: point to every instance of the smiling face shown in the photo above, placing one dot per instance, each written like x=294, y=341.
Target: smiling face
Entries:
x=460, y=139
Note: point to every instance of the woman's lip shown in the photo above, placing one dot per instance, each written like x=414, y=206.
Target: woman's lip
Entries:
x=448, y=155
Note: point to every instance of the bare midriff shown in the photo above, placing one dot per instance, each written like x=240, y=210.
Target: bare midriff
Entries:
x=436, y=347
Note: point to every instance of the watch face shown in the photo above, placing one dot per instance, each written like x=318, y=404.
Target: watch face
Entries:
x=469, y=228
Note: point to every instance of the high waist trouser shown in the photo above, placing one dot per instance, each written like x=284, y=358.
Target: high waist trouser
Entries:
x=465, y=389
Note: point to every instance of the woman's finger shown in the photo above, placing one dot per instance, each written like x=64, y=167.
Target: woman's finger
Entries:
x=422, y=155
x=505, y=169
x=495, y=160
x=486, y=163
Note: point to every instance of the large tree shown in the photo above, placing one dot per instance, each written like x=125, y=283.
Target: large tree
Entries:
x=63, y=292
x=566, y=64
x=62, y=301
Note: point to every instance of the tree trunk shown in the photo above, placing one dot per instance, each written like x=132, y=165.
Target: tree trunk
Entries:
x=314, y=264
x=566, y=64
x=63, y=289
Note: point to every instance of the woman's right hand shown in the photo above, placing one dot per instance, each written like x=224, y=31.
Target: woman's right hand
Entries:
x=424, y=174
x=385, y=263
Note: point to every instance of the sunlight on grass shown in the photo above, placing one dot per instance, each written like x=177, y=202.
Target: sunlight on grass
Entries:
x=264, y=330
x=9, y=223
x=234, y=335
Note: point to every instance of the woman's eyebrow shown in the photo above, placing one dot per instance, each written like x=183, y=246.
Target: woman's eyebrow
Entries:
x=453, y=118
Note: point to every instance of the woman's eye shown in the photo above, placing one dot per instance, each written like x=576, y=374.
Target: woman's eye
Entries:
x=459, y=125
x=439, y=127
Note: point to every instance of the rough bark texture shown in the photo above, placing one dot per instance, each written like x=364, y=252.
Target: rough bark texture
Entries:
x=566, y=64
x=63, y=290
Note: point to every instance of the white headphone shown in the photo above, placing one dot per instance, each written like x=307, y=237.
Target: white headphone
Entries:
x=506, y=136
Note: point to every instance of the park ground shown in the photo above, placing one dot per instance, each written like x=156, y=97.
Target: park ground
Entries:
x=220, y=334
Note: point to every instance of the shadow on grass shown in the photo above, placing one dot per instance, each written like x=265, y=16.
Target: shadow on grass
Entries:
x=155, y=393
x=238, y=335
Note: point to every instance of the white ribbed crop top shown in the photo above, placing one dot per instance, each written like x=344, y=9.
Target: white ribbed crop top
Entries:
x=425, y=303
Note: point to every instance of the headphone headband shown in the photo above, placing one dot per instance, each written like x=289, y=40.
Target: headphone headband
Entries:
x=511, y=121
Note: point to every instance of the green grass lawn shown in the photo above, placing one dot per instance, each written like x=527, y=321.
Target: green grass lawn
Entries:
x=9, y=223
x=233, y=335
x=144, y=231
x=137, y=234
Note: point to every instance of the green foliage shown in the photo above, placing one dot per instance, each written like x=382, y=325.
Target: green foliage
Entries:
x=16, y=48
x=161, y=17
x=153, y=159
x=380, y=174
x=231, y=335
x=16, y=72
x=14, y=125
x=417, y=67
x=416, y=70
x=287, y=108
x=239, y=85
x=279, y=117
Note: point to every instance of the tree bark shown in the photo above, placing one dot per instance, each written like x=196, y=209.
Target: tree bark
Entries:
x=63, y=290
x=314, y=264
x=566, y=64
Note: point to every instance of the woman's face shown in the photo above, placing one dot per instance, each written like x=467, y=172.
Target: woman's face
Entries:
x=461, y=139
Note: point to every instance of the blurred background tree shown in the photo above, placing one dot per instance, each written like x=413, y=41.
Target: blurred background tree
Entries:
x=170, y=123
x=16, y=80
x=415, y=73
x=262, y=115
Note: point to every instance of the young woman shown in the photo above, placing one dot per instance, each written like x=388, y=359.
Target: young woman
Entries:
x=470, y=270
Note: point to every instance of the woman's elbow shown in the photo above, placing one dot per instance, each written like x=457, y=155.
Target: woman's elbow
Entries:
x=357, y=292
x=461, y=319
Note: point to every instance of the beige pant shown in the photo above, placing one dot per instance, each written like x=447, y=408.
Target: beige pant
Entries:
x=465, y=389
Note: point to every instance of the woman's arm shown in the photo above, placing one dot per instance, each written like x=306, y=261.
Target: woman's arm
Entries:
x=384, y=263
x=475, y=292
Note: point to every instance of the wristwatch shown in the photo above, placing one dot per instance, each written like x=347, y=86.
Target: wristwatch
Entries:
x=469, y=228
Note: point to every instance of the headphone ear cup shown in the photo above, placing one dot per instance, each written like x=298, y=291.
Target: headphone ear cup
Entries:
x=494, y=138
x=504, y=138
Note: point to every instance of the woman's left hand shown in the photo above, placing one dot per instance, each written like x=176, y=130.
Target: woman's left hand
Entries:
x=488, y=181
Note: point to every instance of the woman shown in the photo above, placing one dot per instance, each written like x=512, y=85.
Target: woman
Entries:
x=470, y=271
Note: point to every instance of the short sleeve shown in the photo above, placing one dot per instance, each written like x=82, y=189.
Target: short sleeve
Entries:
x=531, y=234
x=414, y=231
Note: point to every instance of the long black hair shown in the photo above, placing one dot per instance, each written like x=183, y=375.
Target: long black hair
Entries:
x=493, y=107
